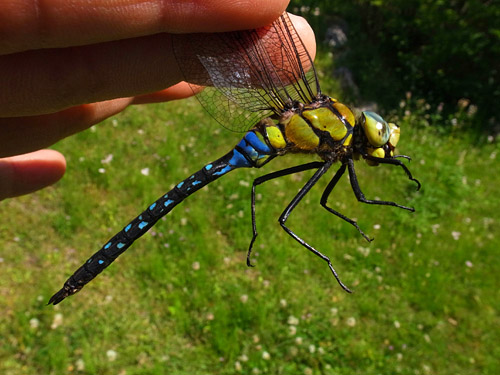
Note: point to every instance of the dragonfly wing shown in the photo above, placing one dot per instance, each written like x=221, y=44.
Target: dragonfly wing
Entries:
x=248, y=74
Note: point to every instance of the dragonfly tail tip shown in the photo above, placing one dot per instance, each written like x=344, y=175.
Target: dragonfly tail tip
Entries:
x=58, y=297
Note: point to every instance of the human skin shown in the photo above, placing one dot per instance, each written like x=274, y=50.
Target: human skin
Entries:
x=67, y=65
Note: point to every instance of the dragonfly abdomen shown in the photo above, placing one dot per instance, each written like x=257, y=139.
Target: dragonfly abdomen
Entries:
x=251, y=152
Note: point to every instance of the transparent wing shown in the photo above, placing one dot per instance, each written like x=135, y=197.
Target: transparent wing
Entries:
x=248, y=75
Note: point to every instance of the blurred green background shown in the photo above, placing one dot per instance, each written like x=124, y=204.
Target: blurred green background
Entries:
x=182, y=301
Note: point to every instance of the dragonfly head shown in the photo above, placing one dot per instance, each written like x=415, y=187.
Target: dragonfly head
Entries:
x=379, y=138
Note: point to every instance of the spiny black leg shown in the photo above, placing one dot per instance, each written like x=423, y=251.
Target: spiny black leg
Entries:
x=295, y=201
x=271, y=176
x=326, y=195
x=359, y=194
x=403, y=157
x=395, y=162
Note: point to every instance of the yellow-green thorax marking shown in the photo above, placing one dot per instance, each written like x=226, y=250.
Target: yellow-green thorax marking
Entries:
x=323, y=127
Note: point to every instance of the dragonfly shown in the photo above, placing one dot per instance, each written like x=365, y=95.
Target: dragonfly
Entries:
x=263, y=82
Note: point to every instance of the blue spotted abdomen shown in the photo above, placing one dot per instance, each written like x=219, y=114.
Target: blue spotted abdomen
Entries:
x=251, y=151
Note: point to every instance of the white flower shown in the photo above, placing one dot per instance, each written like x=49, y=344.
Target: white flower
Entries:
x=107, y=159
x=57, y=321
x=196, y=266
x=351, y=322
x=365, y=251
x=111, y=354
x=292, y=320
x=266, y=356
x=34, y=323
x=80, y=365
x=145, y=171
x=244, y=298
x=237, y=366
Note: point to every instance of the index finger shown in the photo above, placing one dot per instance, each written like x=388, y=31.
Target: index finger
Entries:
x=26, y=25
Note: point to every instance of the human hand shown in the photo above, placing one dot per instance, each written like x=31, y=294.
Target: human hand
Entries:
x=65, y=66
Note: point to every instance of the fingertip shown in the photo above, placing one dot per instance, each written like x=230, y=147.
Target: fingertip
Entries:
x=305, y=32
x=24, y=174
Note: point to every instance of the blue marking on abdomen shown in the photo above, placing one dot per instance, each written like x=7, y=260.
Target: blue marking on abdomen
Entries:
x=208, y=167
x=168, y=203
x=257, y=143
x=238, y=160
x=180, y=184
x=107, y=245
x=196, y=182
x=127, y=228
x=224, y=170
x=248, y=149
x=152, y=206
x=100, y=261
x=143, y=224
x=120, y=245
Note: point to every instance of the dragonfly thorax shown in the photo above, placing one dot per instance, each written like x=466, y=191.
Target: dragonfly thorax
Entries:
x=324, y=127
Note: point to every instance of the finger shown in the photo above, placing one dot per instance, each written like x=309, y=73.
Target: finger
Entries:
x=306, y=33
x=181, y=90
x=50, y=80
x=26, y=25
x=25, y=134
x=27, y=173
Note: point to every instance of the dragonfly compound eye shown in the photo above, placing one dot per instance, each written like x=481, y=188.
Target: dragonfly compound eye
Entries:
x=376, y=129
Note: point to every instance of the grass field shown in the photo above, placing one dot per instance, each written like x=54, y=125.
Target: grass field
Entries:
x=182, y=301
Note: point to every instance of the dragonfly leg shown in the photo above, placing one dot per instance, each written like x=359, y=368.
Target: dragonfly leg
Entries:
x=271, y=176
x=395, y=162
x=288, y=210
x=326, y=195
x=361, y=197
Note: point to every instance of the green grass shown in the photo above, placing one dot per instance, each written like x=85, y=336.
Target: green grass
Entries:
x=426, y=290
